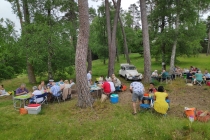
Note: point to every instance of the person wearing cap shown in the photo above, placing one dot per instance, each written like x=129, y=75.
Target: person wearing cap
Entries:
x=49, y=85
x=89, y=78
x=35, y=92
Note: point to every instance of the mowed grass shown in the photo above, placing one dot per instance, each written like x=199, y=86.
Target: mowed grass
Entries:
x=104, y=121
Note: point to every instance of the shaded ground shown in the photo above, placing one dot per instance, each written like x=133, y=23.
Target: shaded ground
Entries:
x=180, y=95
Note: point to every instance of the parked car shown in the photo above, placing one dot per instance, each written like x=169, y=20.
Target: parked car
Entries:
x=129, y=72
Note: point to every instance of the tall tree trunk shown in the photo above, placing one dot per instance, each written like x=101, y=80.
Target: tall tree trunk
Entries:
x=30, y=70
x=19, y=13
x=89, y=60
x=207, y=53
x=124, y=36
x=173, y=54
x=109, y=35
x=147, y=57
x=84, y=98
x=31, y=75
x=50, y=49
x=163, y=48
x=112, y=37
x=125, y=42
x=117, y=55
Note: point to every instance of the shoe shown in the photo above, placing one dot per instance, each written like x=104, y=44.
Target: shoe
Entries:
x=134, y=113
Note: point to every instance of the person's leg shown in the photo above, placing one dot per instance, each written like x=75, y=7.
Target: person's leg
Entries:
x=134, y=99
x=194, y=81
x=140, y=97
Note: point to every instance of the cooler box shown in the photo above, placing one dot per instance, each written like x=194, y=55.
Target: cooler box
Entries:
x=34, y=108
x=114, y=98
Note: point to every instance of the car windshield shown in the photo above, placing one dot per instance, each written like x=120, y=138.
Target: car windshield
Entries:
x=130, y=68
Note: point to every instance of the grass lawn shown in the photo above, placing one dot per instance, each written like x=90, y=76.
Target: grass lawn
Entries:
x=111, y=121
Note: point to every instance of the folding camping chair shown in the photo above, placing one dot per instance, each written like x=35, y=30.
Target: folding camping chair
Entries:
x=58, y=96
x=44, y=96
x=199, y=82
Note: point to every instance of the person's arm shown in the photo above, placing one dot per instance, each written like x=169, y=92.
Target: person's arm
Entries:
x=32, y=95
x=62, y=87
x=39, y=87
x=167, y=96
x=20, y=93
x=131, y=89
x=154, y=97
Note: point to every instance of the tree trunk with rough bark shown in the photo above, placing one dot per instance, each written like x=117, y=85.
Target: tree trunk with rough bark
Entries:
x=89, y=60
x=112, y=36
x=31, y=75
x=207, y=53
x=50, y=50
x=147, y=57
x=124, y=36
x=173, y=54
x=163, y=47
x=84, y=97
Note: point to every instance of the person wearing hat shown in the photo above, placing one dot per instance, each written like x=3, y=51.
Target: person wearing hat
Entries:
x=49, y=85
x=36, y=91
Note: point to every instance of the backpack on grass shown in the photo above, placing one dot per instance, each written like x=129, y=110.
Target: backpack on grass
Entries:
x=190, y=112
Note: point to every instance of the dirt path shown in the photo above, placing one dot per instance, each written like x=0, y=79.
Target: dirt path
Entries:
x=180, y=96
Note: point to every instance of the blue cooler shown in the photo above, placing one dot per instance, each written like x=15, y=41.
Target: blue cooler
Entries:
x=114, y=98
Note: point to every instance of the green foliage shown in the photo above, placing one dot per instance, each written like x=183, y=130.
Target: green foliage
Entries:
x=10, y=58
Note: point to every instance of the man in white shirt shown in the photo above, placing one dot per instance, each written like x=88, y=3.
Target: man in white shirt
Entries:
x=71, y=83
x=89, y=78
x=109, y=80
x=154, y=74
x=36, y=91
x=137, y=90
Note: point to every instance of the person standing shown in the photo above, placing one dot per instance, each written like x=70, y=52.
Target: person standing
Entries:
x=137, y=90
x=89, y=78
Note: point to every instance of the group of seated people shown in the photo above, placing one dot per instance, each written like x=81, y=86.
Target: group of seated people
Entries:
x=115, y=83
x=52, y=89
x=195, y=77
x=162, y=76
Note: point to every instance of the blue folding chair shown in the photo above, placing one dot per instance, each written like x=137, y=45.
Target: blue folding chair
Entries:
x=58, y=96
x=44, y=96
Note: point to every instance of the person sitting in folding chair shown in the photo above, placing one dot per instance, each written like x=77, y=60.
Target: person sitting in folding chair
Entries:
x=206, y=76
x=198, y=78
x=189, y=77
x=163, y=76
x=56, y=91
x=35, y=92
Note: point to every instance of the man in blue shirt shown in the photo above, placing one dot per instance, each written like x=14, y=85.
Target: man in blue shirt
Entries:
x=55, y=89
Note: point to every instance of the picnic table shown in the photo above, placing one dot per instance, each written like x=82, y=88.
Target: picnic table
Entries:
x=21, y=98
x=95, y=88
